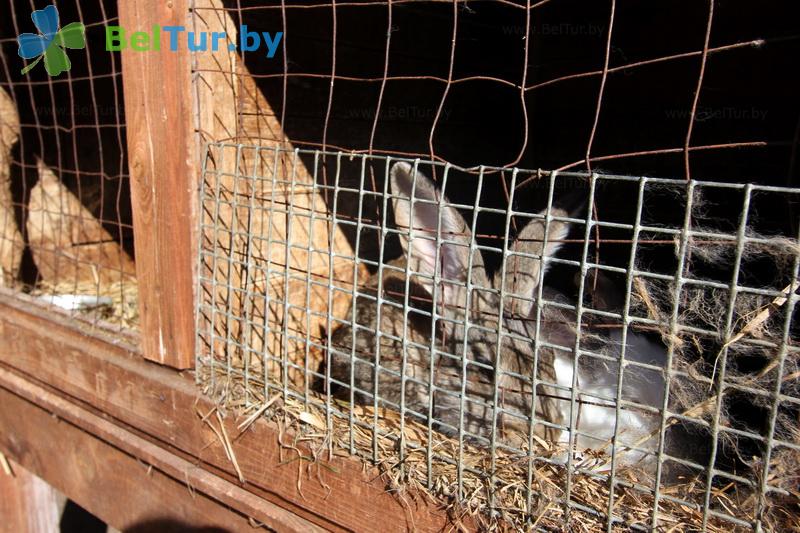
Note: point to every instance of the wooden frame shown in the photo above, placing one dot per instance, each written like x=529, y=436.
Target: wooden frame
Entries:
x=163, y=169
x=27, y=503
x=119, y=410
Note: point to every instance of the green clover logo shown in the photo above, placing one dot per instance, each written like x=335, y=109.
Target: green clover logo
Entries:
x=50, y=42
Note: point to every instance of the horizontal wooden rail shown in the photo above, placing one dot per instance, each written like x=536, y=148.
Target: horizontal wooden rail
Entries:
x=148, y=405
x=119, y=487
x=94, y=444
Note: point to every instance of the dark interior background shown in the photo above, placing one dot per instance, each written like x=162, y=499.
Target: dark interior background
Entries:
x=749, y=94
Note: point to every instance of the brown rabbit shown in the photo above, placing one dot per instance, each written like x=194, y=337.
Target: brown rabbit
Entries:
x=397, y=354
x=439, y=360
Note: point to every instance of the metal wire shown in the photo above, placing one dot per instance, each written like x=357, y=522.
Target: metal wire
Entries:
x=396, y=350
x=276, y=282
x=65, y=203
x=658, y=244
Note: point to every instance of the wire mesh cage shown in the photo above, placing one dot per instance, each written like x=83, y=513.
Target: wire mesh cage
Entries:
x=609, y=343
x=593, y=349
x=616, y=398
x=66, y=236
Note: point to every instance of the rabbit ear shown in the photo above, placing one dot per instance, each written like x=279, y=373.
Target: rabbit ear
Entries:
x=429, y=214
x=522, y=272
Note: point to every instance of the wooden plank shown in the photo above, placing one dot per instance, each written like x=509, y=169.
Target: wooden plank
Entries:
x=162, y=157
x=250, y=217
x=27, y=503
x=88, y=457
x=11, y=243
x=161, y=404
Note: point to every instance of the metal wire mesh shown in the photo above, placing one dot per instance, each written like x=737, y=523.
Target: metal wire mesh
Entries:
x=316, y=306
x=512, y=371
x=607, y=84
x=66, y=236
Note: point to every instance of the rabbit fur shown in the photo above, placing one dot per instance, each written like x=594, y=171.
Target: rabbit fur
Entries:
x=430, y=368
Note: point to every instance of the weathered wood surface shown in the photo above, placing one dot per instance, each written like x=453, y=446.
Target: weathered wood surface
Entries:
x=69, y=245
x=117, y=475
x=161, y=405
x=11, y=244
x=165, y=141
x=258, y=202
x=27, y=503
x=163, y=168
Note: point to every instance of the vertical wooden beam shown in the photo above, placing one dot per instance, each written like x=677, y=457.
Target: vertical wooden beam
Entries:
x=163, y=168
x=27, y=503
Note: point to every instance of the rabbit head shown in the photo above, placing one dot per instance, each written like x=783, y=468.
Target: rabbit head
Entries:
x=424, y=331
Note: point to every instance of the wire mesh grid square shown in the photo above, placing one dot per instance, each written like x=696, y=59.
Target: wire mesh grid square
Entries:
x=460, y=370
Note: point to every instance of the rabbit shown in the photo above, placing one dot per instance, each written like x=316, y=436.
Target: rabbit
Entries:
x=597, y=383
x=430, y=367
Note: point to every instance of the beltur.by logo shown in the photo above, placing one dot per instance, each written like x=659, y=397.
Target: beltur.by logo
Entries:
x=49, y=44
x=176, y=36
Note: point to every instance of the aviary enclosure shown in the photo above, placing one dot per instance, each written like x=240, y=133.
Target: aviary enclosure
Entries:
x=425, y=264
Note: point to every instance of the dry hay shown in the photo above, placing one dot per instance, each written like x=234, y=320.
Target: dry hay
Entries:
x=67, y=241
x=258, y=178
x=119, y=300
x=739, y=333
x=407, y=475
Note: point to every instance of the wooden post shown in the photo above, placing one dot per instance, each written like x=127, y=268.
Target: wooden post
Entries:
x=27, y=503
x=162, y=160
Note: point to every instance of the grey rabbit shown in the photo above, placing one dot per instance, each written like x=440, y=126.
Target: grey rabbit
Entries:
x=393, y=348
